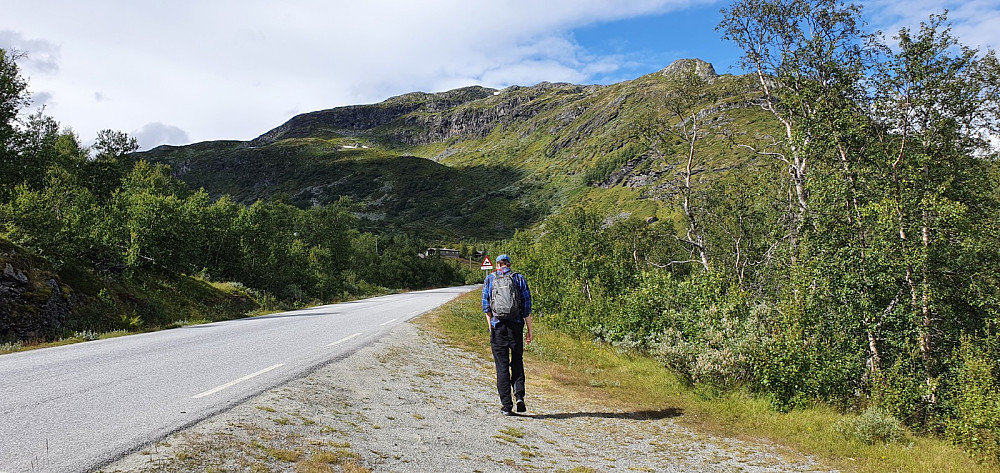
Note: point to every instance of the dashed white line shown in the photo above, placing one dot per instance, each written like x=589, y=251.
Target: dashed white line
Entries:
x=344, y=339
x=235, y=382
x=387, y=322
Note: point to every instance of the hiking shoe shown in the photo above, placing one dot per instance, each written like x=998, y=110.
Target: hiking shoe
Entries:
x=520, y=405
x=507, y=412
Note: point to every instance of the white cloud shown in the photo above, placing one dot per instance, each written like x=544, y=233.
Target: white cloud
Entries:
x=232, y=69
x=155, y=133
x=975, y=22
x=40, y=55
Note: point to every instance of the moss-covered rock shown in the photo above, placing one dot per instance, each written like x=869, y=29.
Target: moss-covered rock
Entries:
x=34, y=303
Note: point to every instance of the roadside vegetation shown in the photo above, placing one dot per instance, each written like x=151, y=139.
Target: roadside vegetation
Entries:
x=93, y=240
x=808, y=252
x=579, y=367
x=850, y=266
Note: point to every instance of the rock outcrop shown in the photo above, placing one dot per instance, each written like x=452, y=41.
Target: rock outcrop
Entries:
x=367, y=117
x=701, y=68
x=421, y=118
x=34, y=305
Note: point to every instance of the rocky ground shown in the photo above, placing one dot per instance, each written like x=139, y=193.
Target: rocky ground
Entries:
x=410, y=403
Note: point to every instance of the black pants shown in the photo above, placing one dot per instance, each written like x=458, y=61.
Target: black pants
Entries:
x=507, y=342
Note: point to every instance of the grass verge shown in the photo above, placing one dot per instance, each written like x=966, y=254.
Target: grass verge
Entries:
x=583, y=369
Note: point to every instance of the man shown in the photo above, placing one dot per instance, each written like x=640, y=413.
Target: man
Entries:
x=507, y=305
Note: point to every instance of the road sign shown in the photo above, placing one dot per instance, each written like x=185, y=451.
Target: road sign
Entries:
x=487, y=264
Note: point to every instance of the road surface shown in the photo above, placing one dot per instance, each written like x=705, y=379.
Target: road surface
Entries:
x=78, y=407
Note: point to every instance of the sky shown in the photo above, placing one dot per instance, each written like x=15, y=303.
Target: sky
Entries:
x=183, y=71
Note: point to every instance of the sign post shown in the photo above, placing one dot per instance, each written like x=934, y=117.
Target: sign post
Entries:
x=486, y=264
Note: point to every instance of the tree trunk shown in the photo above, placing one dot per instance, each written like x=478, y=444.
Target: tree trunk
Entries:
x=694, y=233
x=925, y=311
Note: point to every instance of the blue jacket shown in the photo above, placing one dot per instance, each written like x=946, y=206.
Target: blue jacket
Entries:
x=519, y=281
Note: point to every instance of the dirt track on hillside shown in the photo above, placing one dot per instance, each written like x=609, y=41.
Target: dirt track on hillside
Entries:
x=412, y=404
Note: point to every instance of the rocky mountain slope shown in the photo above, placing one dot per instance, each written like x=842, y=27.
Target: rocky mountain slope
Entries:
x=477, y=162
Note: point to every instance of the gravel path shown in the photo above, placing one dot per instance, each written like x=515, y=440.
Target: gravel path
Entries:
x=409, y=404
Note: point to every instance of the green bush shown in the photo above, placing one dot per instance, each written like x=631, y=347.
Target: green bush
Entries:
x=720, y=355
x=874, y=425
x=900, y=390
x=976, y=424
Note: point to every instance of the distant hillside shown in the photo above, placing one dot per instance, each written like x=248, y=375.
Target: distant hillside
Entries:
x=477, y=162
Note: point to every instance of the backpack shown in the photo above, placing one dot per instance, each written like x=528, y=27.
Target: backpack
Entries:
x=505, y=297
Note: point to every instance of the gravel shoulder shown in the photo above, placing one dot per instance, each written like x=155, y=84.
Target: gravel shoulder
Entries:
x=411, y=403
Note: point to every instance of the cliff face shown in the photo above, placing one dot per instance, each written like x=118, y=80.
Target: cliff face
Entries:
x=421, y=118
x=503, y=110
x=355, y=118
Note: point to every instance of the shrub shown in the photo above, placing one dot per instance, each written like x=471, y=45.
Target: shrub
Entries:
x=874, y=425
x=899, y=389
x=721, y=354
x=976, y=424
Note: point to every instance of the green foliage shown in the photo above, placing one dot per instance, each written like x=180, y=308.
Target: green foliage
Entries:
x=975, y=425
x=612, y=162
x=128, y=234
x=872, y=426
x=848, y=258
x=13, y=97
x=837, y=245
x=56, y=220
x=715, y=345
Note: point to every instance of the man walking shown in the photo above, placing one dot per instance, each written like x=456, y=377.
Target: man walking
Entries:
x=507, y=305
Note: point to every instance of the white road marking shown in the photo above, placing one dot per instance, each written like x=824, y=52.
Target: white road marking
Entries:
x=387, y=322
x=344, y=339
x=233, y=383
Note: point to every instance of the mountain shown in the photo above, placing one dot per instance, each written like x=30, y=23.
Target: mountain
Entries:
x=478, y=162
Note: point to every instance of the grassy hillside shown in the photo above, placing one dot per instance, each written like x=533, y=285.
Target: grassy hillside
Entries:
x=477, y=163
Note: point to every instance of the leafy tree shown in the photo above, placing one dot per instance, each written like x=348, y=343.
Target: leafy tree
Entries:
x=687, y=122
x=153, y=224
x=13, y=98
x=808, y=57
x=937, y=102
x=57, y=221
x=743, y=222
x=110, y=162
x=218, y=240
x=811, y=60
x=38, y=150
x=893, y=201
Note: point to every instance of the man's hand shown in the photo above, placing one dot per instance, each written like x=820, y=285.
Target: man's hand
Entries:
x=529, y=336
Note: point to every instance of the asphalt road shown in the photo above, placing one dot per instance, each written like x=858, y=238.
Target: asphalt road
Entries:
x=79, y=407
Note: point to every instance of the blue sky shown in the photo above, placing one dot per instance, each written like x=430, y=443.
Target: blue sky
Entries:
x=651, y=42
x=188, y=70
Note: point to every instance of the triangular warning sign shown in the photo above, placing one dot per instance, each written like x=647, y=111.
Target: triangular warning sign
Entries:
x=487, y=264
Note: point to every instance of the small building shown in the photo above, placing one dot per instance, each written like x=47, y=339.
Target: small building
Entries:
x=442, y=252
